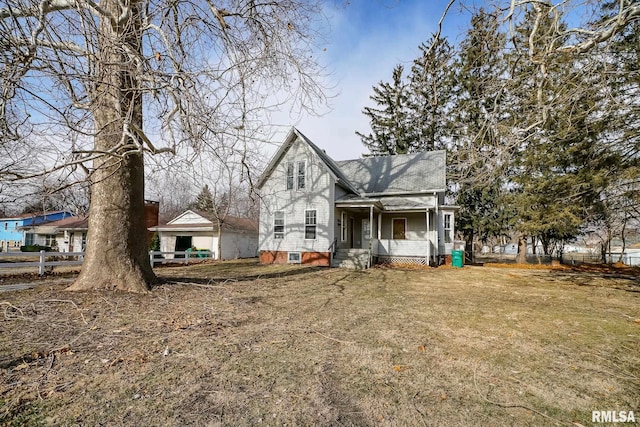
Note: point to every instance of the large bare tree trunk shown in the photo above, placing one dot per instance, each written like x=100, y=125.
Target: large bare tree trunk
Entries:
x=116, y=255
x=521, y=258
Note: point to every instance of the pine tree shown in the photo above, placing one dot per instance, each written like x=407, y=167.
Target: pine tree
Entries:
x=430, y=93
x=478, y=155
x=391, y=129
x=204, y=200
x=558, y=168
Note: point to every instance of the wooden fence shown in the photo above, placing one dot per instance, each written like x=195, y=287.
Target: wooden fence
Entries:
x=43, y=260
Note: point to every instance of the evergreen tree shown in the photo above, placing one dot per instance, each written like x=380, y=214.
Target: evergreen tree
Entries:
x=558, y=168
x=204, y=201
x=430, y=94
x=478, y=154
x=391, y=129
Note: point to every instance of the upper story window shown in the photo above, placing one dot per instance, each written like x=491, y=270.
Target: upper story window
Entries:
x=302, y=175
x=290, y=176
x=310, y=224
x=296, y=175
x=6, y=224
x=448, y=231
x=278, y=225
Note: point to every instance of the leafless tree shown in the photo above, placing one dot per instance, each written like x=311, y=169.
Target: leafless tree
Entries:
x=76, y=75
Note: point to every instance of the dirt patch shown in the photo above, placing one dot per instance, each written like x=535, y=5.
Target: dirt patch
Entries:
x=235, y=343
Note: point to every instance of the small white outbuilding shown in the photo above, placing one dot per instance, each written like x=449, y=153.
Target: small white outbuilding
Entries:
x=199, y=230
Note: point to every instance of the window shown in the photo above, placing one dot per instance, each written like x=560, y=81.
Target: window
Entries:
x=278, y=225
x=448, y=232
x=6, y=224
x=49, y=240
x=290, y=176
x=343, y=226
x=84, y=240
x=310, y=225
x=294, y=257
x=302, y=175
x=29, y=239
x=399, y=228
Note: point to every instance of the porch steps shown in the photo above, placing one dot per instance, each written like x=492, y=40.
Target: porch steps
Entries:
x=351, y=258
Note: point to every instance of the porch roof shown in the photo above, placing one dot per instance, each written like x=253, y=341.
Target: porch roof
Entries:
x=351, y=200
x=406, y=204
x=386, y=204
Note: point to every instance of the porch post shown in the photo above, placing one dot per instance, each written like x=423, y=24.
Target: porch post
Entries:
x=371, y=235
x=428, y=238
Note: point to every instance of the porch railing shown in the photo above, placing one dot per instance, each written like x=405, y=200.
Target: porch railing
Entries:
x=410, y=248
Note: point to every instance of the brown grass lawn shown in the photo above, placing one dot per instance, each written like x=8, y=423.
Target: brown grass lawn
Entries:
x=236, y=343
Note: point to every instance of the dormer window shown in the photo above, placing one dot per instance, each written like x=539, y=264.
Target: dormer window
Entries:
x=302, y=175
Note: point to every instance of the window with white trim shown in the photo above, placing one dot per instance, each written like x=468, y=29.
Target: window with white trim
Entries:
x=302, y=175
x=310, y=224
x=278, y=225
x=294, y=257
x=448, y=231
x=290, y=176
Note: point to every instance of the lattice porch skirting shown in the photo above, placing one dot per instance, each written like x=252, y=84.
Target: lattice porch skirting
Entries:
x=391, y=259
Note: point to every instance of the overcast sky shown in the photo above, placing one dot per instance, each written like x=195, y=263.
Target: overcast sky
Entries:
x=367, y=39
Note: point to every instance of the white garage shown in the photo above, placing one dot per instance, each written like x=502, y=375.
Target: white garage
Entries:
x=199, y=230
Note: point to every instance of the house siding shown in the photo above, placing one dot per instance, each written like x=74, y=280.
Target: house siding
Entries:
x=318, y=195
x=238, y=245
x=416, y=225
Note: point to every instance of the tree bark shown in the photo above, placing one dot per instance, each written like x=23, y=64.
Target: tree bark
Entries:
x=116, y=255
x=219, y=240
x=521, y=258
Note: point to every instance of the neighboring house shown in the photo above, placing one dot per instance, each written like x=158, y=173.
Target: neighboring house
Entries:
x=12, y=229
x=377, y=209
x=66, y=235
x=70, y=233
x=194, y=229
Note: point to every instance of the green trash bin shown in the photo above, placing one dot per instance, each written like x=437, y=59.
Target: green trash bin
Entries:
x=457, y=258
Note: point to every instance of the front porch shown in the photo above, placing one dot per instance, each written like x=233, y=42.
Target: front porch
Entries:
x=390, y=236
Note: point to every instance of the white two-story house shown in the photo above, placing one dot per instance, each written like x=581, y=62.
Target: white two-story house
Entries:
x=315, y=210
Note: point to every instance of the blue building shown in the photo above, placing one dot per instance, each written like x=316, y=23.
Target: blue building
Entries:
x=12, y=234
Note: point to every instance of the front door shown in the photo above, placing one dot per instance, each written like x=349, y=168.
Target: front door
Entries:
x=366, y=233
x=72, y=237
x=399, y=228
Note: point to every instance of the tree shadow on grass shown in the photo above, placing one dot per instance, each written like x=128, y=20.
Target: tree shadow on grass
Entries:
x=627, y=281
x=212, y=279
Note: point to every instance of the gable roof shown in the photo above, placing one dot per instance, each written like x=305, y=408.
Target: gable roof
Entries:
x=423, y=172
x=400, y=173
x=72, y=222
x=328, y=161
x=230, y=223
